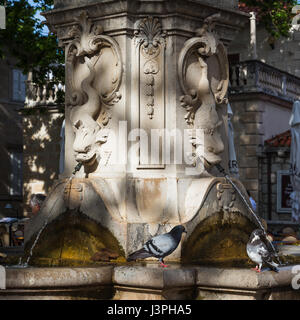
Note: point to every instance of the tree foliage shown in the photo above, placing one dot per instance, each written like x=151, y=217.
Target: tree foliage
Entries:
x=24, y=39
x=276, y=16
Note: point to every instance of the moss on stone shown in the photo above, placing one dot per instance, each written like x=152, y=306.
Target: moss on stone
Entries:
x=71, y=240
x=219, y=240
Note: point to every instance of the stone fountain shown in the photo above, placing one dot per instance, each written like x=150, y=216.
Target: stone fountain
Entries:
x=146, y=116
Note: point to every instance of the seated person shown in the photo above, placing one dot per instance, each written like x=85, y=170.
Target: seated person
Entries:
x=4, y=236
x=36, y=201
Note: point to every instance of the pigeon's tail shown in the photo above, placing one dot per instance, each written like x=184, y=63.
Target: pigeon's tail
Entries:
x=273, y=266
x=140, y=254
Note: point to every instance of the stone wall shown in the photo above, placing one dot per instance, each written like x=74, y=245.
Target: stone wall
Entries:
x=41, y=134
x=74, y=3
x=285, y=55
x=251, y=121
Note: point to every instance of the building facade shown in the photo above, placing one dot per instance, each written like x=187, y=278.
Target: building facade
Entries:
x=12, y=97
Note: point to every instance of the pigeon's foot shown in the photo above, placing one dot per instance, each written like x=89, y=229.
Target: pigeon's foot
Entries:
x=163, y=265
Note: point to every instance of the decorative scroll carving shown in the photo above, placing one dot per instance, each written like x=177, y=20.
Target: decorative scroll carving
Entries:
x=151, y=39
x=226, y=196
x=94, y=76
x=204, y=76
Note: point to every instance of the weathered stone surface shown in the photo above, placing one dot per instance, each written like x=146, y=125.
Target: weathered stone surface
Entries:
x=154, y=276
x=2, y=278
x=250, y=139
x=57, y=277
x=254, y=128
x=252, y=117
x=122, y=67
x=125, y=282
x=96, y=222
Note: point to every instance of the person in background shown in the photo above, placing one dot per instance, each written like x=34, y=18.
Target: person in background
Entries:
x=36, y=201
x=4, y=236
x=253, y=203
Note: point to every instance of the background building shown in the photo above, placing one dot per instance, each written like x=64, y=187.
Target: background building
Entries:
x=262, y=94
x=12, y=97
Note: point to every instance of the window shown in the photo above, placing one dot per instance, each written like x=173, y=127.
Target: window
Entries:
x=19, y=85
x=16, y=181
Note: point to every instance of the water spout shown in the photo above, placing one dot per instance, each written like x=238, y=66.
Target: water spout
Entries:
x=77, y=168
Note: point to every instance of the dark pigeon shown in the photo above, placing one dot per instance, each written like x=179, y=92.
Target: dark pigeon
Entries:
x=260, y=251
x=159, y=246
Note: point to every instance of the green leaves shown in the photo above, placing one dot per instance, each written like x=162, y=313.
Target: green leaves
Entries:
x=24, y=39
x=275, y=15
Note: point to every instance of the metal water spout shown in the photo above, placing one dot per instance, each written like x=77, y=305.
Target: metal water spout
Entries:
x=77, y=168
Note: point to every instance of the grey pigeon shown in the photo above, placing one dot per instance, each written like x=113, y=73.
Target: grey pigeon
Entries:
x=260, y=251
x=159, y=246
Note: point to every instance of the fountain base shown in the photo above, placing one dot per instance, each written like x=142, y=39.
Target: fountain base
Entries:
x=147, y=282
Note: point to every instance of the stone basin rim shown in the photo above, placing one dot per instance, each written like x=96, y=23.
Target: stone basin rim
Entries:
x=153, y=277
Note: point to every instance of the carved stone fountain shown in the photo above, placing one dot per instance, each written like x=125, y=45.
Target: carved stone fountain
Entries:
x=146, y=115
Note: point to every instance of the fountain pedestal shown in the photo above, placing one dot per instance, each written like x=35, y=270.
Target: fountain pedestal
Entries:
x=146, y=115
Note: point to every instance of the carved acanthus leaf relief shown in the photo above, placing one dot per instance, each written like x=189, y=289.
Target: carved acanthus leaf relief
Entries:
x=89, y=108
x=203, y=72
x=150, y=38
x=89, y=40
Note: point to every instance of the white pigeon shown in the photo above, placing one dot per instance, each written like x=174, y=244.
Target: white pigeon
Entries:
x=260, y=251
x=159, y=246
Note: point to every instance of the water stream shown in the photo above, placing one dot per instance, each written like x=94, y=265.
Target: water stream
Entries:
x=25, y=265
x=221, y=170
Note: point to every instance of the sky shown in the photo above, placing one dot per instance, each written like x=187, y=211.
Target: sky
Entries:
x=45, y=29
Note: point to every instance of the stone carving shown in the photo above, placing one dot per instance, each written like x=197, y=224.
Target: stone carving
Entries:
x=73, y=195
x=150, y=38
x=94, y=76
x=204, y=76
x=226, y=196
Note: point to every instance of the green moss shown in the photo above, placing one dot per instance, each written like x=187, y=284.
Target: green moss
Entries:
x=71, y=240
x=219, y=240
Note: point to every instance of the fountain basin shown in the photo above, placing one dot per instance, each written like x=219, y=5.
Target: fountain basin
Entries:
x=148, y=282
x=56, y=283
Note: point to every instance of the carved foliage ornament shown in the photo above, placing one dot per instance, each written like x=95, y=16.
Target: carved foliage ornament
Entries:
x=89, y=41
x=93, y=79
x=150, y=38
x=207, y=49
x=204, y=76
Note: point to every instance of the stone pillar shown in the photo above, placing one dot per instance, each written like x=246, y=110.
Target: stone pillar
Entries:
x=253, y=35
x=136, y=70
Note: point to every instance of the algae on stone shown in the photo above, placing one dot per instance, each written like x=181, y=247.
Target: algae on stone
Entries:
x=71, y=240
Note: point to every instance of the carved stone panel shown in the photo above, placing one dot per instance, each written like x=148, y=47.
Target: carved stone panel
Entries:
x=204, y=76
x=150, y=44
x=94, y=70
